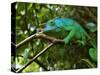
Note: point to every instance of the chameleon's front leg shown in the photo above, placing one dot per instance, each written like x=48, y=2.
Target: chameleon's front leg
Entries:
x=69, y=36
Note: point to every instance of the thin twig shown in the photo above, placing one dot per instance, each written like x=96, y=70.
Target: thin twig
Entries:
x=39, y=35
x=88, y=62
x=35, y=57
x=26, y=40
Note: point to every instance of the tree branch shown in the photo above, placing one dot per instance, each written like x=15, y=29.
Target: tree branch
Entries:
x=39, y=35
x=35, y=57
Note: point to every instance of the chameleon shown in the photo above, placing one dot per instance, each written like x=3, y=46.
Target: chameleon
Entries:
x=75, y=30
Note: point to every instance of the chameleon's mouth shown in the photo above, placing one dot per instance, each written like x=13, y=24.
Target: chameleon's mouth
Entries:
x=49, y=28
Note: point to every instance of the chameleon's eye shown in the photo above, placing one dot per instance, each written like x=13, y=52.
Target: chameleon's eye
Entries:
x=52, y=23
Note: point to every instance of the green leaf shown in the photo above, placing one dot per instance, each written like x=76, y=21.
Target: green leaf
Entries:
x=93, y=54
x=18, y=17
x=26, y=53
x=34, y=67
x=30, y=6
x=91, y=26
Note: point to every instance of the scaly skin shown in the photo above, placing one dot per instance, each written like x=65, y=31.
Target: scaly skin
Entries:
x=67, y=24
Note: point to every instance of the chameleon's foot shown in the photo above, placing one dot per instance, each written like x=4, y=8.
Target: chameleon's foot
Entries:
x=81, y=42
x=66, y=41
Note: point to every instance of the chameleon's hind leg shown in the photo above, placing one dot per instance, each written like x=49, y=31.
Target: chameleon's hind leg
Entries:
x=69, y=36
x=82, y=40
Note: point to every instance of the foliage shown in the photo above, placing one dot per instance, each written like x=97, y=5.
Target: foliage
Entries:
x=93, y=54
x=30, y=18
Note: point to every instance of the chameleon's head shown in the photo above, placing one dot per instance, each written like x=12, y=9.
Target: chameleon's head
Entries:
x=50, y=25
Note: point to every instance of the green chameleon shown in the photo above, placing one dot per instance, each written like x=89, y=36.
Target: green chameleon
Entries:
x=68, y=25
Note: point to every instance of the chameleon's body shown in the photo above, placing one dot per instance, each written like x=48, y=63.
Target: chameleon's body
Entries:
x=67, y=24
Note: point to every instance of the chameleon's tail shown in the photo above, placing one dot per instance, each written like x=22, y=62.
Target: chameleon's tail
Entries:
x=93, y=50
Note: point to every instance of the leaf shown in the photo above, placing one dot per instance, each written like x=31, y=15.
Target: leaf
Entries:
x=20, y=7
x=91, y=26
x=93, y=54
x=30, y=6
x=34, y=67
x=18, y=17
x=26, y=53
